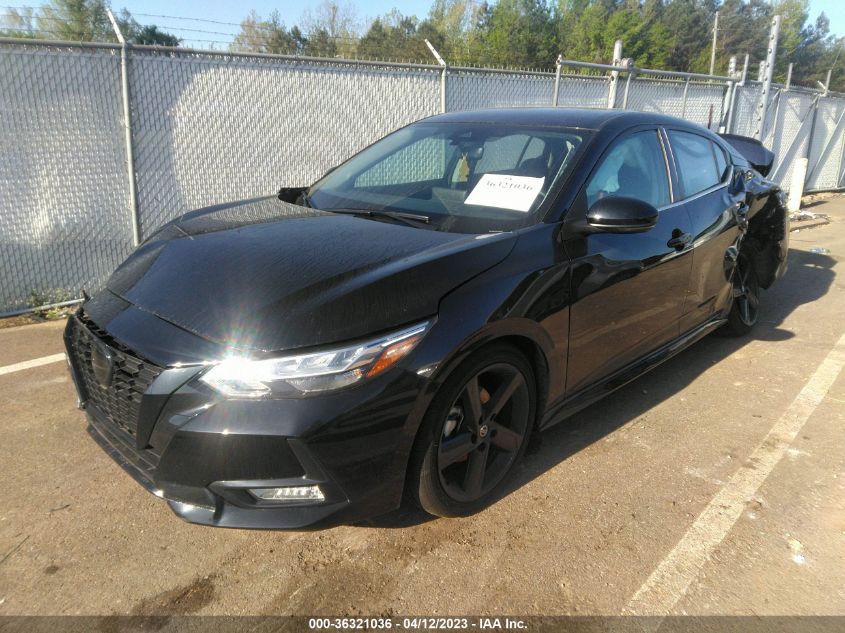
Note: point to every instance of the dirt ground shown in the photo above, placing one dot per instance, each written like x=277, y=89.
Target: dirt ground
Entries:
x=713, y=485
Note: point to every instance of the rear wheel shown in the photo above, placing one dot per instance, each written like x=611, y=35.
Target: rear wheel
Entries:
x=474, y=433
x=745, y=310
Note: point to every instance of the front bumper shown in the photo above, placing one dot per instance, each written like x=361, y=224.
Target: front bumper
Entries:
x=221, y=503
x=201, y=452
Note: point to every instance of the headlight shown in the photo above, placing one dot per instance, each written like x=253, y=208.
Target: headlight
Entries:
x=320, y=371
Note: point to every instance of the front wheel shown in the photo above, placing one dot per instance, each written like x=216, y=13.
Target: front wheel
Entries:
x=745, y=310
x=474, y=433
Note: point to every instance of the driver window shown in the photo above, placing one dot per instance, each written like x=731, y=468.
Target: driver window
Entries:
x=634, y=168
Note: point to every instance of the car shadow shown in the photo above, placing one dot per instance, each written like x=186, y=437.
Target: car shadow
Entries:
x=809, y=277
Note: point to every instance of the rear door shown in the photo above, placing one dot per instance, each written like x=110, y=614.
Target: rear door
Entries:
x=628, y=288
x=703, y=175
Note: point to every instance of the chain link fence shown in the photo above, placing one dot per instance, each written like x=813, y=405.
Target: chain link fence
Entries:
x=209, y=127
x=64, y=201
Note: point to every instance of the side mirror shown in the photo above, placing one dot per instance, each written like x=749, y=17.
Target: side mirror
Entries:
x=618, y=214
x=737, y=184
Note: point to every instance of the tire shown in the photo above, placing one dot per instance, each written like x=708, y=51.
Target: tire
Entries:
x=467, y=447
x=745, y=309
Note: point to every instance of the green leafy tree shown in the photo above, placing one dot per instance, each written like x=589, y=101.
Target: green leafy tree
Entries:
x=452, y=23
x=332, y=29
x=689, y=24
x=81, y=20
x=585, y=38
x=152, y=35
x=743, y=29
x=135, y=33
x=76, y=20
x=19, y=23
x=258, y=35
x=320, y=43
x=519, y=33
x=399, y=37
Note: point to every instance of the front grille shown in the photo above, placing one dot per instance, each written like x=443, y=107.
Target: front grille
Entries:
x=120, y=402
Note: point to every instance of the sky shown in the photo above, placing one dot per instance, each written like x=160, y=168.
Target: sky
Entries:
x=232, y=12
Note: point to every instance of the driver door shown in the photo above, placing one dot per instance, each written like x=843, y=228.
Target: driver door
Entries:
x=628, y=288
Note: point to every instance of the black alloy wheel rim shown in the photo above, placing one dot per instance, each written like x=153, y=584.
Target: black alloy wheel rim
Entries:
x=746, y=294
x=483, y=432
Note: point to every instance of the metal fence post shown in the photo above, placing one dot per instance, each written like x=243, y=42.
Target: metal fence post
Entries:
x=614, y=75
x=629, y=64
x=443, y=69
x=769, y=69
x=840, y=172
x=715, y=41
x=127, y=125
x=684, y=104
x=730, y=93
x=557, y=80
x=732, y=110
x=809, y=150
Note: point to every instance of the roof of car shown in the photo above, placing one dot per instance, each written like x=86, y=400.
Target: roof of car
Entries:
x=585, y=118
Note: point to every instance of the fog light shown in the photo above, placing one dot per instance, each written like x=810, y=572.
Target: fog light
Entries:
x=289, y=493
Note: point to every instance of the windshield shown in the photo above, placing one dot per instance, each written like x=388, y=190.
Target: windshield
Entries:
x=465, y=177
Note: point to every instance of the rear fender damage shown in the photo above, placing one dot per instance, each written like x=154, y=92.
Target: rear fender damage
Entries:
x=765, y=242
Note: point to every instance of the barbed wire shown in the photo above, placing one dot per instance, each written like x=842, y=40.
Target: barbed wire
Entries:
x=260, y=25
x=465, y=58
x=168, y=27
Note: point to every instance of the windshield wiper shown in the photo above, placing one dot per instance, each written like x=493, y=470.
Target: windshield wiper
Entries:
x=411, y=219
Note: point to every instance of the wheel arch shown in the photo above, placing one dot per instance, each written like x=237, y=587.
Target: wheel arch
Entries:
x=523, y=334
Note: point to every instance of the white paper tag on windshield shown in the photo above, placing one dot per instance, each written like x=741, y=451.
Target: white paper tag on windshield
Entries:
x=505, y=192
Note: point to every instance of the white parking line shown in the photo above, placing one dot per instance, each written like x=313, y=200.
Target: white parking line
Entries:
x=659, y=594
x=29, y=364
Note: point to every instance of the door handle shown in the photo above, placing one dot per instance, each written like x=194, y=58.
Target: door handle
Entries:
x=679, y=240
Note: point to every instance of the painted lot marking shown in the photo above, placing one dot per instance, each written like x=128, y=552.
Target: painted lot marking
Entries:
x=29, y=364
x=662, y=590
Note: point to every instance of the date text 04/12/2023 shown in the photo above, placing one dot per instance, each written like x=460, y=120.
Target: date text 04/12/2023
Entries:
x=417, y=623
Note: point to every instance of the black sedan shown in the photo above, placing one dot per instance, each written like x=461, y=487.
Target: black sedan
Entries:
x=397, y=330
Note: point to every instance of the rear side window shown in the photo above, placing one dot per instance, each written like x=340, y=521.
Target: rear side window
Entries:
x=695, y=157
x=634, y=168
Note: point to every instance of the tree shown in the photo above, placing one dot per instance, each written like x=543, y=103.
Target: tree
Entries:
x=82, y=20
x=793, y=15
x=399, y=37
x=520, y=33
x=151, y=35
x=135, y=33
x=19, y=23
x=689, y=24
x=453, y=22
x=743, y=28
x=76, y=20
x=584, y=38
x=332, y=27
x=320, y=43
x=268, y=36
x=818, y=52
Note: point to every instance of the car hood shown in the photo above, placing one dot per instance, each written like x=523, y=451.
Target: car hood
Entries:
x=269, y=275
